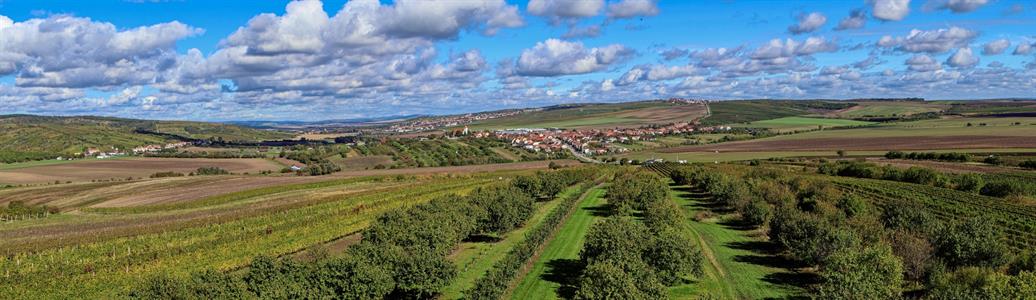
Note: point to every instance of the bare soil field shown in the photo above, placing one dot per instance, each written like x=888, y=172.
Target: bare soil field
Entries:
x=129, y=167
x=864, y=144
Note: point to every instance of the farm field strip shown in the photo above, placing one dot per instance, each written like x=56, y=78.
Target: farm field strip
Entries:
x=99, y=228
x=108, y=269
x=1017, y=221
x=799, y=123
x=128, y=167
x=732, y=277
x=229, y=198
x=475, y=258
x=567, y=243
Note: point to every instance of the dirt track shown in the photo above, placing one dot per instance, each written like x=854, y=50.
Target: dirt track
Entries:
x=865, y=144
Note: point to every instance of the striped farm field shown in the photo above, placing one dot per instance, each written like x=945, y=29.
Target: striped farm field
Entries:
x=103, y=265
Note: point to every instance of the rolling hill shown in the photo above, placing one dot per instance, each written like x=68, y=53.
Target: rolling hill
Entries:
x=598, y=115
x=59, y=135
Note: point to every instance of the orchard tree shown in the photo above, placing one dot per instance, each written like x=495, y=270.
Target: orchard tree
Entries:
x=868, y=273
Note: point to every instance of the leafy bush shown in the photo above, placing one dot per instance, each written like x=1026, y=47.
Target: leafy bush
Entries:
x=869, y=273
x=211, y=171
x=166, y=174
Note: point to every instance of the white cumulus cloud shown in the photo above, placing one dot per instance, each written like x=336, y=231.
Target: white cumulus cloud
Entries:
x=555, y=57
x=890, y=10
x=808, y=23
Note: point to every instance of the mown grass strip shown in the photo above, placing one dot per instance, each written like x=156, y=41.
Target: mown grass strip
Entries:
x=729, y=272
x=564, y=247
x=475, y=258
x=498, y=280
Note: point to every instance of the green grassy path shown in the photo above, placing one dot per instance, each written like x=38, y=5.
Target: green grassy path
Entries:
x=735, y=267
x=563, y=249
x=474, y=259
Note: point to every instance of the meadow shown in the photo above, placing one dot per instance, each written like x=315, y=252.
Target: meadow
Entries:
x=788, y=124
x=888, y=109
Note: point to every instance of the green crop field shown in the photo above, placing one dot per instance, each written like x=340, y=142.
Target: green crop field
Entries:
x=803, y=123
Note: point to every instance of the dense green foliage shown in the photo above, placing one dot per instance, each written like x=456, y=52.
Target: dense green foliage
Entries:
x=206, y=154
x=211, y=171
x=496, y=281
x=629, y=259
x=635, y=191
x=868, y=273
x=988, y=184
x=949, y=156
x=166, y=174
x=870, y=239
x=10, y=157
x=18, y=210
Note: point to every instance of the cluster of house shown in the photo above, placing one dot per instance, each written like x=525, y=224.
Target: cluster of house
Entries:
x=432, y=123
x=156, y=148
x=98, y=153
x=592, y=141
x=114, y=151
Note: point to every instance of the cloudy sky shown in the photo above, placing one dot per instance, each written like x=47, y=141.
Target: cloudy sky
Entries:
x=312, y=60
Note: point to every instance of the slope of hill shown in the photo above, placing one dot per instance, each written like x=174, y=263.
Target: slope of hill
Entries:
x=598, y=115
x=745, y=111
x=57, y=135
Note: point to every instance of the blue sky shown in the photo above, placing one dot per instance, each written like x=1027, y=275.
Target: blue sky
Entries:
x=280, y=60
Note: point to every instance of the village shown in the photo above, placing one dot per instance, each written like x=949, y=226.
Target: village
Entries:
x=94, y=152
x=589, y=141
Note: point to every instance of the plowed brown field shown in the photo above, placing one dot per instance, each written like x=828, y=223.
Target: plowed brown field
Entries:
x=865, y=144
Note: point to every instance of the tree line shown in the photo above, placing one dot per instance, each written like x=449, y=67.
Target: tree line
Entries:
x=625, y=258
x=862, y=251
x=402, y=254
x=949, y=156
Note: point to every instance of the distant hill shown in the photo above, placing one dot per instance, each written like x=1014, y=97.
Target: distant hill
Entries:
x=299, y=125
x=60, y=135
x=598, y=115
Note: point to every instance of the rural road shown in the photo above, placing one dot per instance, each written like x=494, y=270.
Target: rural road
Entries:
x=581, y=156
